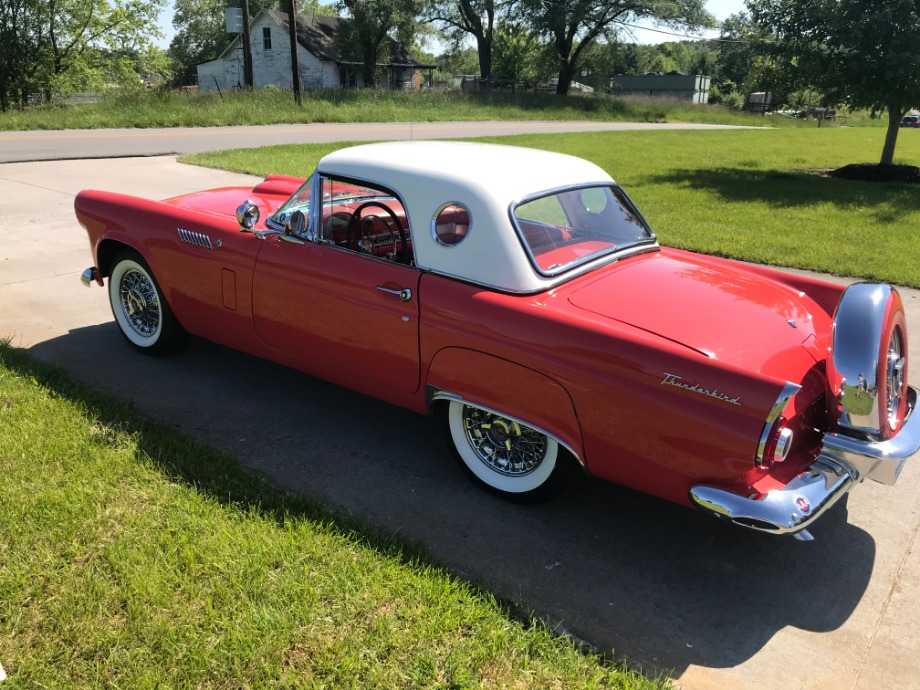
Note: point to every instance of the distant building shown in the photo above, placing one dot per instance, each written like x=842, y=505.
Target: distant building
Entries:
x=693, y=88
x=760, y=102
x=319, y=62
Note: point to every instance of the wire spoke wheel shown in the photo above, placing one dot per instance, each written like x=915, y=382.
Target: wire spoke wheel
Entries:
x=503, y=455
x=504, y=445
x=140, y=303
x=894, y=378
x=140, y=310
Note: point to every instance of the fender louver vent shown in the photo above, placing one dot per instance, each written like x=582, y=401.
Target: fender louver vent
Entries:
x=196, y=238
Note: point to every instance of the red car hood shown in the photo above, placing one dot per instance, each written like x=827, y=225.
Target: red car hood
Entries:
x=267, y=195
x=712, y=306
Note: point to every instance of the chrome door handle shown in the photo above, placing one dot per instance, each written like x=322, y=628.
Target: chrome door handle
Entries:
x=405, y=294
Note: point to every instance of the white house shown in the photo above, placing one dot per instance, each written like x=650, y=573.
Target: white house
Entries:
x=319, y=62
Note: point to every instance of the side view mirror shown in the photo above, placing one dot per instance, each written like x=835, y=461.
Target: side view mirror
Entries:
x=295, y=228
x=297, y=225
x=247, y=215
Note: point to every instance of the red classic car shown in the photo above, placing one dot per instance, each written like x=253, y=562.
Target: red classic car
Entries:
x=521, y=298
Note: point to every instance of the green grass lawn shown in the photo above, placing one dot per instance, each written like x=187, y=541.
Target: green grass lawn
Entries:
x=272, y=106
x=756, y=195
x=134, y=557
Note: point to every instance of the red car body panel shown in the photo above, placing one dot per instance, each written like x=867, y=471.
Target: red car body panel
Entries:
x=588, y=364
x=661, y=371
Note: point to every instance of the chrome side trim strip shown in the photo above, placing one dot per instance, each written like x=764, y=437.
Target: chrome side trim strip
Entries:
x=434, y=394
x=785, y=395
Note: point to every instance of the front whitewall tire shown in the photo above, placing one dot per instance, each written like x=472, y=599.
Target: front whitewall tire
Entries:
x=140, y=309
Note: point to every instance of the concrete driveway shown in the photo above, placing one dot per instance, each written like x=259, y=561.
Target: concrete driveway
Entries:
x=659, y=585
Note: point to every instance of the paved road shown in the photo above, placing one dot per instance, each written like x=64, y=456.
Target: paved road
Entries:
x=112, y=143
x=660, y=585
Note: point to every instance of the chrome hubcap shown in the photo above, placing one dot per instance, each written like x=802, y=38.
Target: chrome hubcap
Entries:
x=140, y=303
x=895, y=378
x=502, y=444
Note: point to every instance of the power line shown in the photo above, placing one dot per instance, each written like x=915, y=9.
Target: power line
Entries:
x=565, y=6
x=671, y=33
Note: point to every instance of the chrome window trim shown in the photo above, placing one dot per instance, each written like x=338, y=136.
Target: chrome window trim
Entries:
x=319, y=175
x=650, y=242
x=559, y=280
x=433, y=394
x=434, y=223
x=785, y=395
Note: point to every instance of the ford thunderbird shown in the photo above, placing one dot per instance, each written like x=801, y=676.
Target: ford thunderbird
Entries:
x=522, y=299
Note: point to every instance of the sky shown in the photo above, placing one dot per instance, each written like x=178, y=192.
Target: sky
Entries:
x=719, y=8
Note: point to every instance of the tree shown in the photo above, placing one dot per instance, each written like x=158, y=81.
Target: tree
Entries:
x=574, y=25
x=20, y=44
x=372, y=21
x=471, y=17
x=518, y=54
x=54, y=46
x=857, y=52
x=737, y=53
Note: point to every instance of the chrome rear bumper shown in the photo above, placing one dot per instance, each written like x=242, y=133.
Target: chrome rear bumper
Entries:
x=842, y=463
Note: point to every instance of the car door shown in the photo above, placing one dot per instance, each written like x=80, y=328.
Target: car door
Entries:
x=349, y=316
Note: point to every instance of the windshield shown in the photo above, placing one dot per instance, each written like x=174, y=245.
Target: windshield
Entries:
x=562, y=230
x=340, y=193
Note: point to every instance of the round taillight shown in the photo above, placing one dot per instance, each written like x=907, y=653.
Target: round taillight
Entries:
x=778, y=443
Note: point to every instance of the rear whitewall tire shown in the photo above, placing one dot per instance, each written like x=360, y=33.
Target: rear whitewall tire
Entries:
x=531, y=477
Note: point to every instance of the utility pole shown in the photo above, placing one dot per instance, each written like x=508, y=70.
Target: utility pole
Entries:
x=295, y=63
x=247, y=46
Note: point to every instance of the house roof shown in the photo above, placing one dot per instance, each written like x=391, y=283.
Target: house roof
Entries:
x=316, y=34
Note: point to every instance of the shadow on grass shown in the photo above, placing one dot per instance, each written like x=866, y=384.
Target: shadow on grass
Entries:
x=640, y=579
x=790, y=189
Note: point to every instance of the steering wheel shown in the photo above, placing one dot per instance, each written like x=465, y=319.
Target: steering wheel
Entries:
x=336, y=222
x=354, y=225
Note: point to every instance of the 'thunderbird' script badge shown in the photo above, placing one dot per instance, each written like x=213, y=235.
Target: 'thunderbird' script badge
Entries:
x=678, y=382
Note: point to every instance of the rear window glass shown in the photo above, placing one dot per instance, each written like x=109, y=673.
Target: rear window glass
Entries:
x=562, y=230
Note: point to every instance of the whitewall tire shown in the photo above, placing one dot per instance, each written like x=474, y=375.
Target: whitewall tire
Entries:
x=504, y=456
x=140, y=310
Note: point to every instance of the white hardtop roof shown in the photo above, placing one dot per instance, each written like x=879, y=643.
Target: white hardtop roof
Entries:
x=486, y=179
x=509, y=171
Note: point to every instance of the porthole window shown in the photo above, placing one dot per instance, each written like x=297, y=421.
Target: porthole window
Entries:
x=451, y=224
x=594, y=199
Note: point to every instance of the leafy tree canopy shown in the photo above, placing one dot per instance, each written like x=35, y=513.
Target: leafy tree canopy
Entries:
x=575, y=25
x=61, y=46
x=863, y=53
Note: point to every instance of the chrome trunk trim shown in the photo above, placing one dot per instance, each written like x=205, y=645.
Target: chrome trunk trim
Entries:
x=785, y=395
